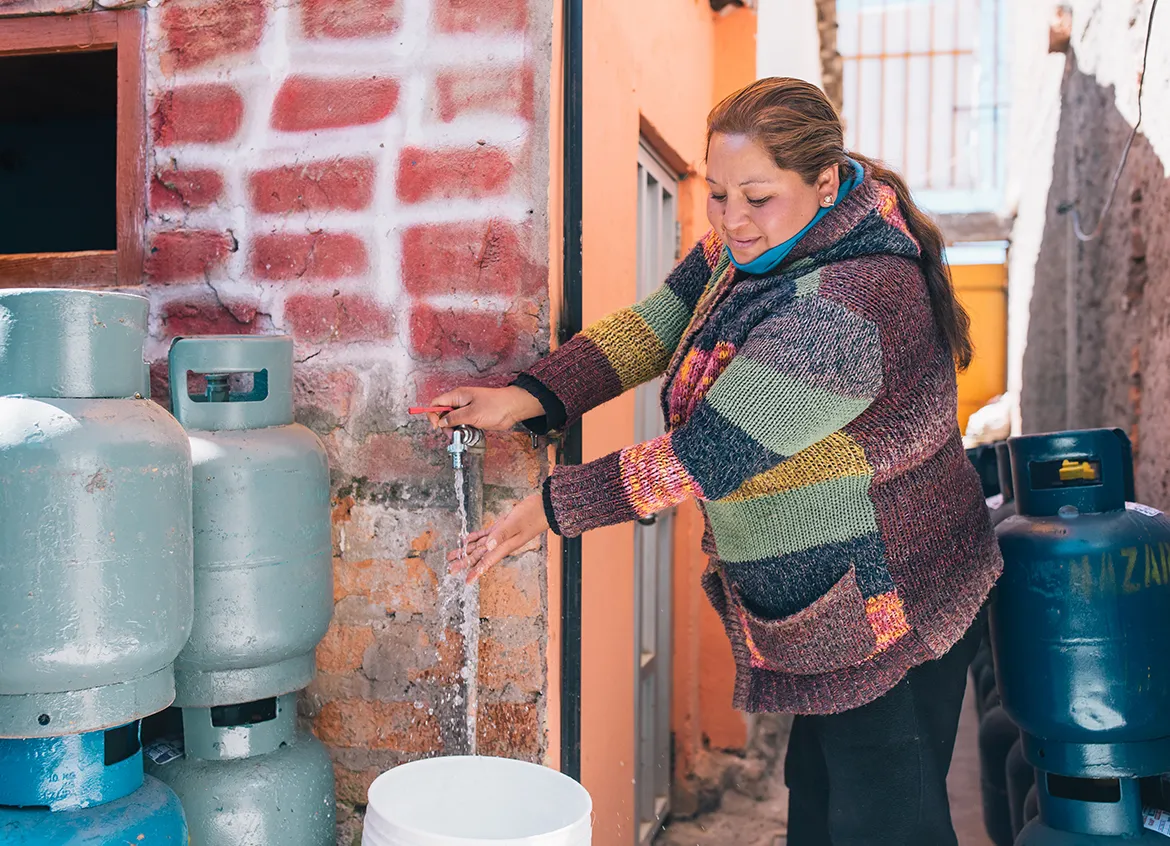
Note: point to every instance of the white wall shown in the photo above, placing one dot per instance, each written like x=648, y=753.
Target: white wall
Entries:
x=787, y=41
x=1037, y=76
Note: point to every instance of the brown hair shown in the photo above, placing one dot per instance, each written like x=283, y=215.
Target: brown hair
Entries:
x=798, y=126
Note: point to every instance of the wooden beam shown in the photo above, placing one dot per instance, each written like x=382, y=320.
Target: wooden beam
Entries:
x=94, y=269
x=659, y=145
x=131, y=146
x=123, y=31
x=973, y=228
x=59, y=33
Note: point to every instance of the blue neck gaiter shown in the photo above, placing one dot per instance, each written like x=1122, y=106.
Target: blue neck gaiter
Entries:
x=770, y=260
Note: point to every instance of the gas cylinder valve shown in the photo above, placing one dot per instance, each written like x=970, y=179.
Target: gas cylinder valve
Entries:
x=462, y=439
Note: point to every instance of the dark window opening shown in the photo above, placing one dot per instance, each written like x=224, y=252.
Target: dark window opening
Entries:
x=1101, y=790
x=58, y=152
x=164, y=724
x=122, y=744
x=244, y=714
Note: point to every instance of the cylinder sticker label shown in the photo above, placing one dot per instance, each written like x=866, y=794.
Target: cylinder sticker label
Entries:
x=164, y=750
x=1143, y=509
x=1157, y=820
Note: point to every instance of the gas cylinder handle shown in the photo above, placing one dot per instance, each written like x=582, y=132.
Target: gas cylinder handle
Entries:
x=1127, y=464
x=1084, y=469
x=269, y=357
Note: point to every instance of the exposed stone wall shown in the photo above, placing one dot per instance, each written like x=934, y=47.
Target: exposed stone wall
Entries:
x=832, y=69
x=370, y=176
x=1109, y=364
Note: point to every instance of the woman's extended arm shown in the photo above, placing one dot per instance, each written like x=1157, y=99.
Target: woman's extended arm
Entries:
x=618, y=352
x=623, y=350
x=801, y=376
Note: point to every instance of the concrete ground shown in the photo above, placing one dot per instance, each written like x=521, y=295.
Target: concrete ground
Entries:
x=743, y=821
x=963, y=782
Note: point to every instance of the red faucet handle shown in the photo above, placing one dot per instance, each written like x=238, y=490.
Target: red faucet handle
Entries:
x=436, y=409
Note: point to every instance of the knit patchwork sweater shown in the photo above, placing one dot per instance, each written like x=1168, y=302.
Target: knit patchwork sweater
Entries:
x=812, y=413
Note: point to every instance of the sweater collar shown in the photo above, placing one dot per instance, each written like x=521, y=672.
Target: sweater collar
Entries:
x=869, y=221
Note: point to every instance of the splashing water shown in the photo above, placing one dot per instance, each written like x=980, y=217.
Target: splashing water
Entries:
x=450, y=589
x=455, y=590
x=461, y=498
x=470, y=620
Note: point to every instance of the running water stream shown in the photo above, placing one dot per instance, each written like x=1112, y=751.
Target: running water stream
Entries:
x=470, y=622
x=461, y=600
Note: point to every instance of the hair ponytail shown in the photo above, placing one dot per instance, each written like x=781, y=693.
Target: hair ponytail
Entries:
x=949, y=313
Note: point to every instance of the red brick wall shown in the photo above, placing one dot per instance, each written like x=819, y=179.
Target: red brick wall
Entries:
x=371, y=177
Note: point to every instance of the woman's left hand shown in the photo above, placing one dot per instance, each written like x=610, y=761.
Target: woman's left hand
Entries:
x=488, y=548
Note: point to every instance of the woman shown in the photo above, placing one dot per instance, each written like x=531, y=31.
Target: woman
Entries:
x=809, y=346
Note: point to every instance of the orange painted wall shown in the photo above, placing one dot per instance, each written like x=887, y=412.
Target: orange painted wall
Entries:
x=649, y=64
x=735, y=51
x=982, y=288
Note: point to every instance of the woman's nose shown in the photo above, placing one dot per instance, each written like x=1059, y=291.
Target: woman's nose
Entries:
x=735, y=213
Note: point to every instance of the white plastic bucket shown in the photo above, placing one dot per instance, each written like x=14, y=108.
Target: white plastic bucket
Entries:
x=477, y=801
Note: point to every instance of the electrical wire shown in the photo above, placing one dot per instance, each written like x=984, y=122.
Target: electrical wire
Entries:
x=1081, y=236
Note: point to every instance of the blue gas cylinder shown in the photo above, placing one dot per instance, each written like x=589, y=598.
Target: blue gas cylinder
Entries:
x=997, y=733
x=1087, y=812
x=70, y=772
x=983, y=459
x=988, y=462
x=1021, y=778
x=84, y=790
x=982, y=671
x=149, y=815
x=1003, y=504
x=1031, y=805
x=1082, y=610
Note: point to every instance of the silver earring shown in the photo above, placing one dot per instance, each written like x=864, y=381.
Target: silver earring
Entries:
x=827, y=202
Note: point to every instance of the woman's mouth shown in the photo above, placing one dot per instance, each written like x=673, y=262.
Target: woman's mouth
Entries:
x=742, y=245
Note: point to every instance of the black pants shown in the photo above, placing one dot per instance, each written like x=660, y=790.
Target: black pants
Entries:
x=877, y=775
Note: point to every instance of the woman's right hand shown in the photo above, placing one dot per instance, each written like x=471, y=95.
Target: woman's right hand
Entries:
x=490, y=409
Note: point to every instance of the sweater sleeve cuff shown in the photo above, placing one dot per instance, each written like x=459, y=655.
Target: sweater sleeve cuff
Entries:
x=587, y=496
x=549, y=512
x=555, y=414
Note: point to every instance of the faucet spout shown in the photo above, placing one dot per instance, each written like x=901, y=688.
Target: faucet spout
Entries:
x=462, y=439
x=456, y=449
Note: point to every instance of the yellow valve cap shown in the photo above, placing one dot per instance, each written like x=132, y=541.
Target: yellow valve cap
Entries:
x=1077, y=470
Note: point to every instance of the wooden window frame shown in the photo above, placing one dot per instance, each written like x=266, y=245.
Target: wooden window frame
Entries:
x=92, y=31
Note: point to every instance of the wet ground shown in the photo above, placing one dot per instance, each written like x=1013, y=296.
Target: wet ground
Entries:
x=743, y=821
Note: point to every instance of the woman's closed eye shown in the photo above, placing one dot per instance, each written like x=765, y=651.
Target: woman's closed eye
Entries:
x=757, y=202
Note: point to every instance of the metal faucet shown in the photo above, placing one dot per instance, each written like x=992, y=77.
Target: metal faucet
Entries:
x=462, y=439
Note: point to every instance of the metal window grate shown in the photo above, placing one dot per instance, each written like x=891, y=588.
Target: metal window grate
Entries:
x=925, y=89
x=657, y=252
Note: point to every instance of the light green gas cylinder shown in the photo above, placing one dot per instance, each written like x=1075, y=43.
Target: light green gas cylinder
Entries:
x=263, y=549
x=247, y=777
x=95, y=518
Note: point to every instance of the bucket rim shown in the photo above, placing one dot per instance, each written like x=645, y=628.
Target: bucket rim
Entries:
x=389, y=828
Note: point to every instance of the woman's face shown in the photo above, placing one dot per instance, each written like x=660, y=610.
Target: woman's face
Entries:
x=755, y=205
